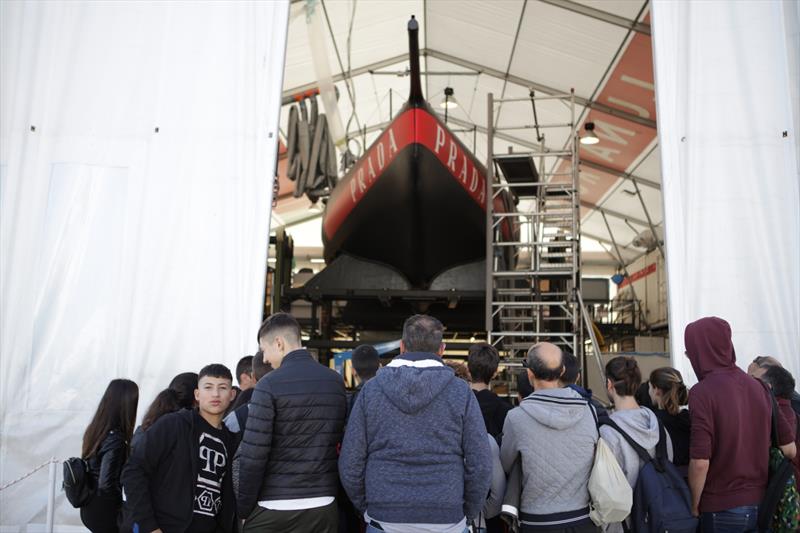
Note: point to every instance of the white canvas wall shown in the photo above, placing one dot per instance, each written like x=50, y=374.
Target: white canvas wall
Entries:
x=726, y=88
x=138, y=145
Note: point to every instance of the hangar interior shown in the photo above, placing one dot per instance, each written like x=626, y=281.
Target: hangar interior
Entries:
x=525, y=53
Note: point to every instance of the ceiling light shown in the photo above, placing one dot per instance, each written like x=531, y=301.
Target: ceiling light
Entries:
x=449, y=101
x=590, y=137
x=316, y=260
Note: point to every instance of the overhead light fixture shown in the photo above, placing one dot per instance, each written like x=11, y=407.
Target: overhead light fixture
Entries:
x=589, y=137
x=449, y=100
x=316, y=260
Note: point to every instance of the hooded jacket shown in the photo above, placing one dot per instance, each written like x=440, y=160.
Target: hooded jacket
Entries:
x=554, y=433
x=730, y=419
x=415, y=450
x=642, y=426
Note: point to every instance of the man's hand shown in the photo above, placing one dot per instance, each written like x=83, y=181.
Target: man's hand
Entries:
x=695, y=511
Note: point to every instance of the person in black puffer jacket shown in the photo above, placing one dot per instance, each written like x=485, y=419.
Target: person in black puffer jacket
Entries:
x=288, y=477
x=105, y=448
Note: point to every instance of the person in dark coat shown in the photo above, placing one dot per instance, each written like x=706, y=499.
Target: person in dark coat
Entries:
x=366, y=363
x=288, y=477
x=482, y=361
x=669, y=396
x=570, y=378
x=178, y=476
x=105, y=448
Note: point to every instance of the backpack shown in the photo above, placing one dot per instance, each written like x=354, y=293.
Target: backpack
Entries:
x=661, y=498
x=77, y=484
x=610, y=493
x=780, y=509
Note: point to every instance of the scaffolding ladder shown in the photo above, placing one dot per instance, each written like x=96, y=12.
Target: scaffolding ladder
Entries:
x=533, y=275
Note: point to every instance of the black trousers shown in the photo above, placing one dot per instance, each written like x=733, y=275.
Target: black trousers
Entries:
x=317, y=520
x=100, y=515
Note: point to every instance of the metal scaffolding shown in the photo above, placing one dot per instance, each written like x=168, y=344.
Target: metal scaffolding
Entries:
x=533, y=277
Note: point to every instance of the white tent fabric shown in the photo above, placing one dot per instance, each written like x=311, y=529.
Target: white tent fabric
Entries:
x=725, y=85
x=137, y=150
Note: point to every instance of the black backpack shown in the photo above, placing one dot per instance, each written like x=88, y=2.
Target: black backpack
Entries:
x=78, y=484
x=780, y=508
x=661, y=498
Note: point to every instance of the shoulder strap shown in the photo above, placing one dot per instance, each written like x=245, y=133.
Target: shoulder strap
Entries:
x=643, y=455
x=774, y=431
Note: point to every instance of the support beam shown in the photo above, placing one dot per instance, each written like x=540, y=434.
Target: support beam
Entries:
x=353, y=73
x=539, y=87
x=615, y=214
x=608, y=170
x=598, y=14
x=605, y=240
x=535, y=146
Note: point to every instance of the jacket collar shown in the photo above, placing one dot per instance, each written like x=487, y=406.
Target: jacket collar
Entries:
x=296, y=355
x=416, y=359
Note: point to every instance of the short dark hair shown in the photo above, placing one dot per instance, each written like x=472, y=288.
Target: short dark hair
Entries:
x=482, y=361
x=781, y=381
x=366, y=361
x=422, y=333
x=244, y=366
x=280, y=322
x=524, y=387
x=540, y=369
x=260, y=368
x=215, y=370
x=572, y=369
x=624, y=373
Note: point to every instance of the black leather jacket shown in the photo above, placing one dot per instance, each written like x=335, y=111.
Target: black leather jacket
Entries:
x=106, y=465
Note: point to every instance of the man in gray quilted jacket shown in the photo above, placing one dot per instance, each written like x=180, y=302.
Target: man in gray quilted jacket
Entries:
x=554, y=433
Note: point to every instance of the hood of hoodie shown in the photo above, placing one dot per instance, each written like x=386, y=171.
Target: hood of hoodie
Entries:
x=641, y=424
x=555, y=408
x=415, y=384
x=709, y=345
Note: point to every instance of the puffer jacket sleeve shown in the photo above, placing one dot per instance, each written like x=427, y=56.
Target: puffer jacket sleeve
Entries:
x=255, y=447
x=113, y=453
x=477, y=458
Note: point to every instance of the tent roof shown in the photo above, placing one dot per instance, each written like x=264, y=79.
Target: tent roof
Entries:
x=601, y=49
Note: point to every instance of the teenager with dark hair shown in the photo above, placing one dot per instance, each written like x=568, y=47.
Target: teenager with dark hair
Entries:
x=105, y=448
x=177, y=478
x=366, y=362
x=570, y=378
x=669, y=396
x=244, y=373
x=287, y=478
x=482, y=361
x=623, y=379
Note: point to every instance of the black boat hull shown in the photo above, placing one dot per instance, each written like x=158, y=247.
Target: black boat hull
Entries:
x=416, y=201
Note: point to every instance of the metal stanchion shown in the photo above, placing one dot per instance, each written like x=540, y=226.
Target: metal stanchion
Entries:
x=51, y=494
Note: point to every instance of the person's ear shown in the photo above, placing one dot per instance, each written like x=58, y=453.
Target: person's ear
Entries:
x=196, y=395
x=232, y=392
x=609, y=385
x=402, y=346
x=442, y=346
x=280, y=344
x=531, y=377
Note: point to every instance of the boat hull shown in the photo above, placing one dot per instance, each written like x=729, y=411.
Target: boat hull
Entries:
x=416, y=201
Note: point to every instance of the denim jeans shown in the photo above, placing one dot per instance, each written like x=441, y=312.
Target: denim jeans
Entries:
x=737, y=520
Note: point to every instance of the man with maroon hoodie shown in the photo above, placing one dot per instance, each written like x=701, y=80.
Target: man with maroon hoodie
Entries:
x=730, y=436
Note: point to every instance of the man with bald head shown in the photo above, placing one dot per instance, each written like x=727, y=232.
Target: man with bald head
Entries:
x=553, y=432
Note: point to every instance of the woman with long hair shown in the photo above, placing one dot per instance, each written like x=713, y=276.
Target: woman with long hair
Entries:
x=668, y=394
x=623, y=378
x=105, y=448
x=178, y=395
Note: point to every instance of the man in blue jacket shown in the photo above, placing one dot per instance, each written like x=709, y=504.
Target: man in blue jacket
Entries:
x=415, y=454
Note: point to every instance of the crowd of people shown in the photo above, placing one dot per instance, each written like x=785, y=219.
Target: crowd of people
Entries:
x=424, y=445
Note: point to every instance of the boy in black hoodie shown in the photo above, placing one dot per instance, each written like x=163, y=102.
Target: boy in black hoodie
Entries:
x=177, y=478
